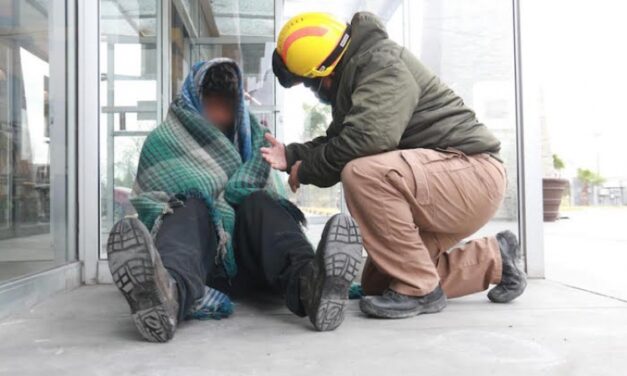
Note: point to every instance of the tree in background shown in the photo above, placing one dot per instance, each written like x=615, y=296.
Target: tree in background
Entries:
x=126, y=162
x=316, y=121
x=589, y=179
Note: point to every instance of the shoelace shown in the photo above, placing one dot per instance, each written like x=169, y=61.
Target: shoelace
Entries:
x=389, y=293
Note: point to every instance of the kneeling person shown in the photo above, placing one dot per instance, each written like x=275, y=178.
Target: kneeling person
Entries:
x=419, y=172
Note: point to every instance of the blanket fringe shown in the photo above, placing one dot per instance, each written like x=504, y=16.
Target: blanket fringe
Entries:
x=159, y=221
x=223, y=240
x=355, y=292
x=214, y=305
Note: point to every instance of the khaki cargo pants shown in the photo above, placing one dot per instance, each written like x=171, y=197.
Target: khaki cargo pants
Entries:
x=414, y=207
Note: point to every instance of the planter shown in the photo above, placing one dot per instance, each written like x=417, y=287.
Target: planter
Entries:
x=552, y=192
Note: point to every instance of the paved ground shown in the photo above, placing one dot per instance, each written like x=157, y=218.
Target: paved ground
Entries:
x=588, y=250
x=551, y=330
x=554, y=329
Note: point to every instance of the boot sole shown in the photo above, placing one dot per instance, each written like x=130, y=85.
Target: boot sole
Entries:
x=340, y=257
x=373, y=311
x=132, y=263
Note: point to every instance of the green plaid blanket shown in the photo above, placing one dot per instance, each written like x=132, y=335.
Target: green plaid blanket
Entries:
x=187, y=156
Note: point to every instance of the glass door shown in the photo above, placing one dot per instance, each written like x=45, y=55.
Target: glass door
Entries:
x=34, y=145
x=469, y=45
x=129, y=99
x=574, y=79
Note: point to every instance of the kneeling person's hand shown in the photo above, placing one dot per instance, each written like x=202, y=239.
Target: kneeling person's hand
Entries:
x=293, y=180
x=275, y=154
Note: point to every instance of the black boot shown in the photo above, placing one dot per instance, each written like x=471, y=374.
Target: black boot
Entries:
x=325, y=282
x=513, y=279
x=139, y=274
x=393, y=305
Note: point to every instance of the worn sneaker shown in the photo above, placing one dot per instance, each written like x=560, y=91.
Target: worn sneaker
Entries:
x=139, y=274
x=325, y=283
x=393, y=305
x=513, y=278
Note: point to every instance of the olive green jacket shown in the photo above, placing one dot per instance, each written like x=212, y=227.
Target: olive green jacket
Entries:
x=386, y=100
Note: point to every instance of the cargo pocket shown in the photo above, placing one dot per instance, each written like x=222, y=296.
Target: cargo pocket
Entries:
x=438, y=160
x=422, y=194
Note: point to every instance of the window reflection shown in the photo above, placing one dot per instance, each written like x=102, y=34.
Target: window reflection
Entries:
x=129, y=97
x=28, y=179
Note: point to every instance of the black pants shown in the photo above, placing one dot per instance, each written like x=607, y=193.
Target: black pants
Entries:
x=270, y=249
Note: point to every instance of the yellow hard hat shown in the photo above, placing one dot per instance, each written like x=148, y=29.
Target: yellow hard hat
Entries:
x=311, y=44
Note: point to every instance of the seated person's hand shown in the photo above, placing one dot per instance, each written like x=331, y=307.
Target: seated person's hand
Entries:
x=275, y=154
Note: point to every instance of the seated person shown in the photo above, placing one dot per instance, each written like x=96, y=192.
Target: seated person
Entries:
x=212, y=220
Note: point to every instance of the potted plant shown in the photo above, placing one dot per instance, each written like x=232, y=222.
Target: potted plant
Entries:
x=553, y=189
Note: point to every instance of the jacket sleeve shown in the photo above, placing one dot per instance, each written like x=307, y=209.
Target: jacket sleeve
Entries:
x=296, y=151
x=383, y=101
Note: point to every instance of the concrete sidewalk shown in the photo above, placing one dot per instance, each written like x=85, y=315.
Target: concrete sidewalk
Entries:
x=589, y=250
x=551, y=330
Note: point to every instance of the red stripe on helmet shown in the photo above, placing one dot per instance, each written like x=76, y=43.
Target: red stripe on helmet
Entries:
x=309, y=31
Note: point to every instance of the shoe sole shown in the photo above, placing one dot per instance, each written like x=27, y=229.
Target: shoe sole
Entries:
x=132, y=263
x=370, y=310
x=340, y=256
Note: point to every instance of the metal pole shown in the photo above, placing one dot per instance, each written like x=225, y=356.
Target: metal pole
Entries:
x=88, y=138
x=531, y=226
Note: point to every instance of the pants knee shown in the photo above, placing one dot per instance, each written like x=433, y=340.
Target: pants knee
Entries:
x=254, y=201
x=195, y=202
x=351, y=176
x=362, y=176
x=193, y=206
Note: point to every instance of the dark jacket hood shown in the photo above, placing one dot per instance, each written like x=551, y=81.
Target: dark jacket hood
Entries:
x=366, y=30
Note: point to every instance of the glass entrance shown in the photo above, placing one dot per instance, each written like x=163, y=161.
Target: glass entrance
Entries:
x=33, y=138
x=129, y=98
x=147, y=49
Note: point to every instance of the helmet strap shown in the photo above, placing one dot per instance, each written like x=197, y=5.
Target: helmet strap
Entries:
x=337, y=51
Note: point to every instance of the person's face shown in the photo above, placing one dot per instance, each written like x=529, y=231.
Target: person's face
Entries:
x=322, y=88
x=219, y=111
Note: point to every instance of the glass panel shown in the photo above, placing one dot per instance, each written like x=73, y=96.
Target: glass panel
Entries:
x=243, y=31
x=33, y=202
x=244, y=17
x=469, y=45
x=129, y=87
x=574, y=80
